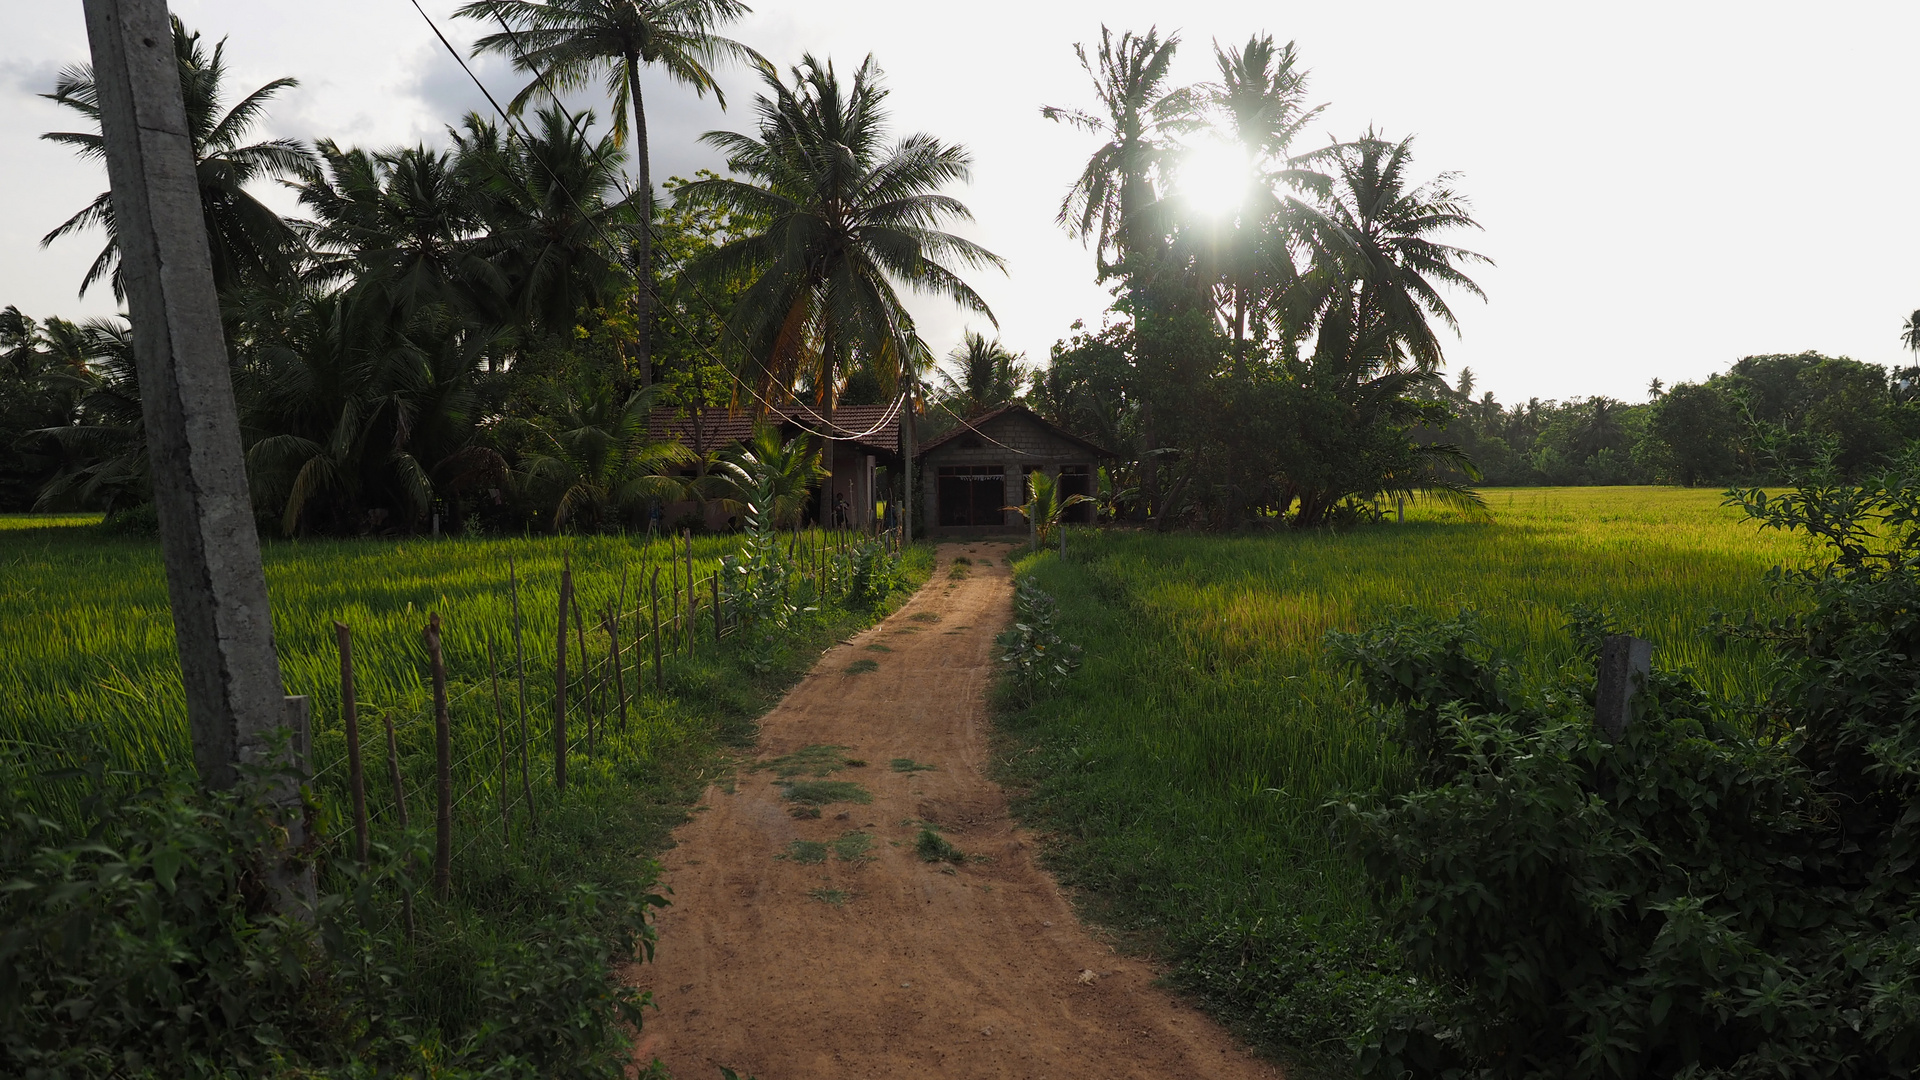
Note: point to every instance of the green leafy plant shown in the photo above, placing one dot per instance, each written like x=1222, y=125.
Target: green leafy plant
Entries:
x=1722, y=891
x=1037, y=659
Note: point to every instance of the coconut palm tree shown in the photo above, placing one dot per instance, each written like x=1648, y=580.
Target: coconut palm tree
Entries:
x=779, y=474
x=566, y=44
x=1377, y=269
x=1045, y=508
x=1137, y=108
x=595, y=456
x=1910, y=333
x=850, y=216
x=1259, y=106
x=248, y=241
x=550, y=203
x=988, y=375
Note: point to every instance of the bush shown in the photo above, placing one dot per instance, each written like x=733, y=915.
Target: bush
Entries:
x=1038, y=660
x=1723, y=892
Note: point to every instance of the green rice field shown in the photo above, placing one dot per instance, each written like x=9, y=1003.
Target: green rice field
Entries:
x=87, y=658
x=1187, y=767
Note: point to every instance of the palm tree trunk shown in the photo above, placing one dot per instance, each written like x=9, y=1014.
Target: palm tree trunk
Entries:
x=643, y=256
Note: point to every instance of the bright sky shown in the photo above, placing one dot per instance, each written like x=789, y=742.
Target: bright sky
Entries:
x=1665, y=186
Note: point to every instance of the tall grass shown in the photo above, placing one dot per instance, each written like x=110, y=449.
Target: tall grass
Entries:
x=1187, y=766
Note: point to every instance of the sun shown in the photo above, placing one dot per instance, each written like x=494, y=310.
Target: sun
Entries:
x=1214, y=178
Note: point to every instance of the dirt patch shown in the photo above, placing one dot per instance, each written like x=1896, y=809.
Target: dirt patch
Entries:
x=912, y=935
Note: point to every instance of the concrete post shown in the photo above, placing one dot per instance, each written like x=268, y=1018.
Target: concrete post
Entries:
x=221, y=622
x=1625, y=663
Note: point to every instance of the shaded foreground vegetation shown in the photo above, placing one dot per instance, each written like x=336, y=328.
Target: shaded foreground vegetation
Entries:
x=1186, y=770
x=135, y=911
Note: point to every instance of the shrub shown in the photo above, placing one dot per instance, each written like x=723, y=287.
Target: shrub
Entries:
x=1038, y=660
x=1722, y=892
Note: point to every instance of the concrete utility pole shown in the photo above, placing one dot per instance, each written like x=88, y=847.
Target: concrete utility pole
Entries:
x=224, y=630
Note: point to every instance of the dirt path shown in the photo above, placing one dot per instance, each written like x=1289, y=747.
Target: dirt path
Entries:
x=846, y=955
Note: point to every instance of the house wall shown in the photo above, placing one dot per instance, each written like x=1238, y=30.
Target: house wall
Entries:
x=1021, y=444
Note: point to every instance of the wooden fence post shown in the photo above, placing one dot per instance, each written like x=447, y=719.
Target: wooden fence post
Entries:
x=500, y=736
x=1625, y=663
x=619, y=677
x=693, y=597
x=560, y=680
x=350, y=714
x=716, y=606
x=520, y=675
x=400, y=807
x=586, y=672
x=659, y=679
x=443, y=757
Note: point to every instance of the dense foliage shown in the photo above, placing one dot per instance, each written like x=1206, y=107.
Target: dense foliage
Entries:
x=1761, y=418
x=1272, y=349
x=1727, y=890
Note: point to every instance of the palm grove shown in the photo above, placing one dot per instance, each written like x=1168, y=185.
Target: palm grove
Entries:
x=480, y=331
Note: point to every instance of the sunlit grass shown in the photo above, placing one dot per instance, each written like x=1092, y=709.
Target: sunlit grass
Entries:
x=1190, y=760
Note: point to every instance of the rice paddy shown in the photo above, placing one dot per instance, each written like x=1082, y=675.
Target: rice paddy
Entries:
x=1188, y=764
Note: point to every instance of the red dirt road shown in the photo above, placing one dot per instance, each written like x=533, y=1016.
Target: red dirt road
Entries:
x=875, y=963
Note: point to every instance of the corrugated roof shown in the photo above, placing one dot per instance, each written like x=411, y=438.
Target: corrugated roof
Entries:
x=867, y=425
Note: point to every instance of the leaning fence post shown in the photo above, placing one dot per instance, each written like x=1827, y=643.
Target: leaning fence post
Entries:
x=443, y=757
x=400, y=808
x=659, y=679
x=560, y=681
x=1625, y=663
x=586, y=672
x=350, y=714
x=619, y=677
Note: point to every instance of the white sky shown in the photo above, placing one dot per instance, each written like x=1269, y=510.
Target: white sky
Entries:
x=1666, y=186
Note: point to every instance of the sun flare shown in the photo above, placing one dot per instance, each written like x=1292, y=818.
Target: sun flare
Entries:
x=1214, y=178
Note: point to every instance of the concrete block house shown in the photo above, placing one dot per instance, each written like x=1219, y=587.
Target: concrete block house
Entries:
x=968, y=476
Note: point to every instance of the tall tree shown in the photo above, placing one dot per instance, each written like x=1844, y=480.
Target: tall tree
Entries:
x=1107, y=202
x=566, y=44
x=985, y=375
x=1377, y=272
x=248, y=241
x=849, y=215
x=1259, y=105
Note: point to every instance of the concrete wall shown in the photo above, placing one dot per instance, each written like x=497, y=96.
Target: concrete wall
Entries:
x=1013, y=441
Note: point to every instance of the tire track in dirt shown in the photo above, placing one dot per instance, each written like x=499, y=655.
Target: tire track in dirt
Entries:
x=826, y=948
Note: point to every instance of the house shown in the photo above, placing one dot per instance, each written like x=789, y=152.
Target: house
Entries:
x=864, y=440
x=971, y=474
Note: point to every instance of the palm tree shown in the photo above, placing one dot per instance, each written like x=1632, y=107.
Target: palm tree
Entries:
x=1910, y=332
x=403, y=224
x=550, y=203
x=567, y=43
x=1260, y=102
x=849, y=215
x=1116, y=187
x=248, y=241
x=1377, y=269
x=595, y=454
x=108, y=444
x=1045, y=508
x=779, y=474
x=988, y=375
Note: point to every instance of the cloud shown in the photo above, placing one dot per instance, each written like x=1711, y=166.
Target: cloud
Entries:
x=30, y=76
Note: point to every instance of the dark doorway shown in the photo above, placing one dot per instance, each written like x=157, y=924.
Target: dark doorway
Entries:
x=972, y=495
x=1077, y=480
